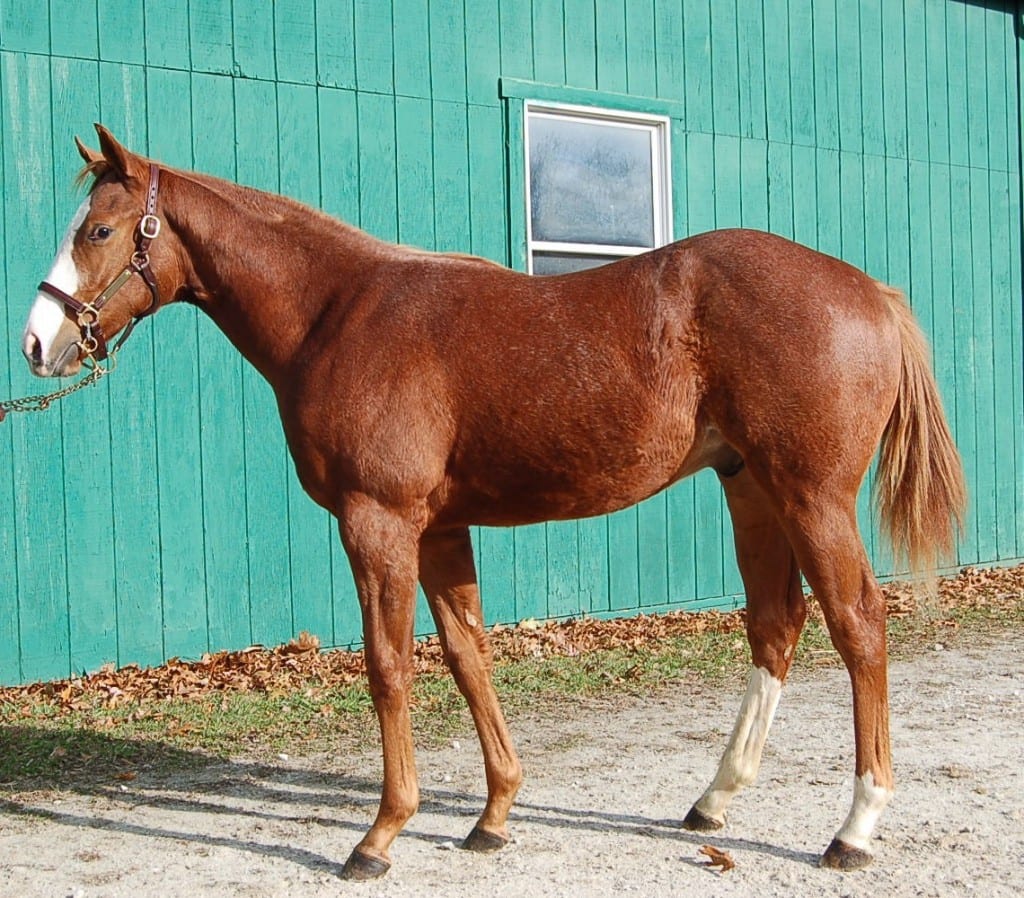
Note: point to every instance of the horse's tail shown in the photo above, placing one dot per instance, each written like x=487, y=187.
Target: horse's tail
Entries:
x=920, y=484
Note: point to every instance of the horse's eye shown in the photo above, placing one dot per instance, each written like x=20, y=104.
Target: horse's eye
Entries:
x=100, y=233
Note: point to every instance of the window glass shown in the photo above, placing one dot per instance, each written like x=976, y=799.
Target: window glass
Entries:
x=590, y=182
x=561, y=263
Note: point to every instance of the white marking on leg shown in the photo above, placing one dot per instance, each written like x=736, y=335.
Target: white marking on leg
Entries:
x=44, y=320
x=869, y=801
x=742, y=757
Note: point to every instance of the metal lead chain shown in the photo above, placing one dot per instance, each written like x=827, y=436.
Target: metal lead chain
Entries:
x=42, y=402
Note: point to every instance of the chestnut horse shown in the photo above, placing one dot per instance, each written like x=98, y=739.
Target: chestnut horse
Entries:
x=422, y=393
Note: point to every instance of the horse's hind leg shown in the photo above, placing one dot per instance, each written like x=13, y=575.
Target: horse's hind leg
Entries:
x=823, y=530
x=448, y=576
x=775, y=616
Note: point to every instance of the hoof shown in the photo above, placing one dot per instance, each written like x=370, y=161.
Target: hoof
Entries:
x=361, y=867
x=481, y=840
x=841, y=856
x=699, y=822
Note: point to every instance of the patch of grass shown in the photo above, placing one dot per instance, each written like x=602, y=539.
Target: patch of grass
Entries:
x=42, y=745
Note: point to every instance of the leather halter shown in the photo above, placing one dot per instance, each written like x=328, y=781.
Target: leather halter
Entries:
x=93, y=342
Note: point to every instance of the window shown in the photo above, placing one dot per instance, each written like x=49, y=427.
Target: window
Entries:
x=597, y=186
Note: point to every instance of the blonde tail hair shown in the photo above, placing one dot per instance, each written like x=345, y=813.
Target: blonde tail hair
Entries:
x=920, y=484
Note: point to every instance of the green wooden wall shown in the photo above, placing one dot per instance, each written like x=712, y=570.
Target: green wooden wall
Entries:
x=158, y=515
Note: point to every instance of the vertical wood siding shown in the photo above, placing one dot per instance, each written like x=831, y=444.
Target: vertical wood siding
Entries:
x=158, y=514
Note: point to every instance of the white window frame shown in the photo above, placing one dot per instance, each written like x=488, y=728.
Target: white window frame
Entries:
x=660, y=128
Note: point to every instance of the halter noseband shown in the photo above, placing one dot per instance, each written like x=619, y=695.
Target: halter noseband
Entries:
x=94, y=342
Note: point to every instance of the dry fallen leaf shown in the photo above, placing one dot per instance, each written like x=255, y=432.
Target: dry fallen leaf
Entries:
x=717, y=858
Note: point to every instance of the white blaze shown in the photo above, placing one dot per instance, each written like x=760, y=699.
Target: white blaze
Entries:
x=47, y=313
x=742, y=758
x=869, y=801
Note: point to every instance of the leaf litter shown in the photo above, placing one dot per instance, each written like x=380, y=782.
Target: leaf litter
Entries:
x=302, y=663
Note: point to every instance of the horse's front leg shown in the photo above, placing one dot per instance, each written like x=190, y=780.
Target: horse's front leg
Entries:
x=448, y=575
x=382, y=547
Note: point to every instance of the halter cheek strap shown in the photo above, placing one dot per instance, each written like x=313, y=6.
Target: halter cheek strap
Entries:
x=93, y=342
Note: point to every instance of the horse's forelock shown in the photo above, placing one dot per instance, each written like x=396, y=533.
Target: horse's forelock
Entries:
x=95, y=170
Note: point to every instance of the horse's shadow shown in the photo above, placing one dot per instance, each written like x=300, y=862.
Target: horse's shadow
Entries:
x=180, y=780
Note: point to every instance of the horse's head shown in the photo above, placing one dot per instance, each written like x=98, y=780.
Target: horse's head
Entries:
x=110, y=268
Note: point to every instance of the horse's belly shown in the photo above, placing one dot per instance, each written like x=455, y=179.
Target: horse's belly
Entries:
x=511, y=490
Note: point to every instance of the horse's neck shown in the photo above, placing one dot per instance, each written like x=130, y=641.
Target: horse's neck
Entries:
x=266, y=267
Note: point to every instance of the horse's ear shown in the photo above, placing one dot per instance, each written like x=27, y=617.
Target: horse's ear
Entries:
x=124, y=163
x=91, y=157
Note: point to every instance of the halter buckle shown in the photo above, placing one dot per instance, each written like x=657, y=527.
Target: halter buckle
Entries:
x=88, y=316
x=149, y=226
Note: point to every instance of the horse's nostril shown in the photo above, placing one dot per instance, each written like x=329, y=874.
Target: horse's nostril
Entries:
x=33, y=349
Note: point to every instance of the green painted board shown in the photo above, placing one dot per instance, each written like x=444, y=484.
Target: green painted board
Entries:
x=310, y=530
x=580, y=58
x=549, y=50
x=563, y=563
x=374, y=43
x=166, y=31
x=668, y=38
x=530, y=547
x=697, y=66
x=1006, y=424
x=801, y=72
x=28, y=212
x=777, y=82
x=88, y=465
x=957, y=67
x=252, y=32
x=222, y=426
x=179, y=453
x=848, y=76
x=871, y=89
x=483, y=47
x=378, y=193
x=895, y=83
x=22, y=28
x=825, y=25
x=412, y=52
x=451, y=197
x=750, y=52
x=652, y=550
x=335, y=43
x=134, y=489
x=640, y=48
x=295, y=27
x=448, y=42
x=964, y=356
x=516, y=39
x=12, y=320
x=210, y=37
x=415, y=152
x=266, y=460
x=984, y=491
x=74, y=28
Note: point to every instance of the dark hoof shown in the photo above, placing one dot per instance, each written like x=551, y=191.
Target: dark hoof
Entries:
x=699, y=822
x=361, y=867
x=481, y=840
x=841, y=856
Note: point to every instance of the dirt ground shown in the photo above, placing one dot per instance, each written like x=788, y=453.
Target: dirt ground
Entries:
x=607, y=783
